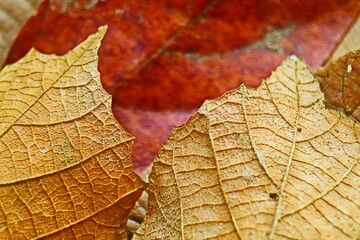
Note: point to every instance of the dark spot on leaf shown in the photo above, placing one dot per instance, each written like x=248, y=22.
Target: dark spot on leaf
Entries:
x=274, y=196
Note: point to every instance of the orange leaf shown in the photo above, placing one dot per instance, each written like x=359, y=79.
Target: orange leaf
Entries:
x=65, y=170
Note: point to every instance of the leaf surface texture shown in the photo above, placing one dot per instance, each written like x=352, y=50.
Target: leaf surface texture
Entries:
x=265, y=163
x=340, y=82
x=65, y=170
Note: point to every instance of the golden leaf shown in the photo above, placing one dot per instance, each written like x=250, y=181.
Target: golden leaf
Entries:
x=13, y=14
x=265, y=163
x=65, y=170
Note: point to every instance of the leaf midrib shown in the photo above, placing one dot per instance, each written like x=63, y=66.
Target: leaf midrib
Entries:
x=278, y=210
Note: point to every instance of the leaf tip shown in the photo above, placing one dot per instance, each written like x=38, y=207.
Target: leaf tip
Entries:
x=102, y=30
x=99, y=35
x=294, y=58
x=94, y=40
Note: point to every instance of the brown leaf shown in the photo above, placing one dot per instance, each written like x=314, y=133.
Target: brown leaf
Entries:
x=266, y=163
x=13, y=14
x=65, y=170
x=340, y=82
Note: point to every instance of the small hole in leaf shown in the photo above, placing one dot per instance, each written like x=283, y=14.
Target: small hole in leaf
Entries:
x=274, y=196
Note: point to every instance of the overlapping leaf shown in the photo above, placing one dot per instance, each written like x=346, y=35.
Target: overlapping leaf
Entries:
x=13, y=14
x=65, y=170
x=340, y=82
x=350, y=42
x=266, y=163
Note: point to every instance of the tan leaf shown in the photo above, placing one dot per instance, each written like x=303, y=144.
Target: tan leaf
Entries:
x=13, y=14
x=265, y=163
x=65, y=170
x=350, y=42
x=340, y=82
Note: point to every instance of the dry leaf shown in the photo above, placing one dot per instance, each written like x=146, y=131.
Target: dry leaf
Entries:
x=266, y=163
x=161, y=59
x=340, y=82
x=351, y=42
x=65, y=167
x=13, y=14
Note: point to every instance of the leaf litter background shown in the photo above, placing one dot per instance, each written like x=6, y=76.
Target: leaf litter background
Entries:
x=161, y=59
